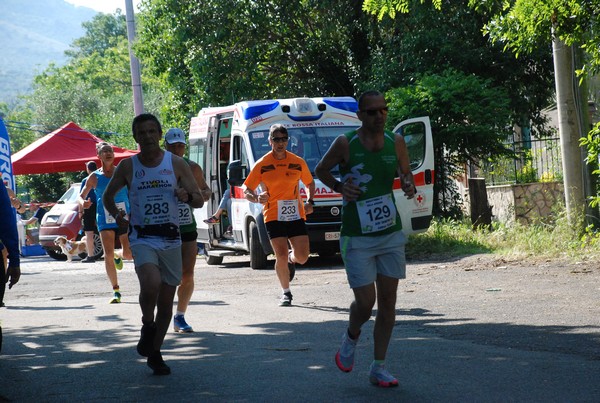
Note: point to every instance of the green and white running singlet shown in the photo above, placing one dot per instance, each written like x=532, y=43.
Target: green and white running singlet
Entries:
x=374, y=212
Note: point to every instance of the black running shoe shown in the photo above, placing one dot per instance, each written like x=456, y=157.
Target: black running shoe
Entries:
x=286, y=299
x=157, y=364
x=145, y=346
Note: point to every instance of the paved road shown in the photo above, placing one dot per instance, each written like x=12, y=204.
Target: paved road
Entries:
x=472, y=329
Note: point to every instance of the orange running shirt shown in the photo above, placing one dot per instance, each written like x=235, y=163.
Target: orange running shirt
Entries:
x=281, y=179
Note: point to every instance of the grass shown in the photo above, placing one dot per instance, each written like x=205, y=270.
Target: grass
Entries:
x=554, y=240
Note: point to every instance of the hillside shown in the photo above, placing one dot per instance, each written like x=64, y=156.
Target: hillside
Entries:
x=34, y=33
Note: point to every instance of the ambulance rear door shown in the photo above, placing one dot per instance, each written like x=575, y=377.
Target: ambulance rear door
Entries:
x=416, y=213
x=204, y=151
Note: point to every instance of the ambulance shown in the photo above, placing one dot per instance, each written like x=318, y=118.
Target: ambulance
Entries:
x=227, y=141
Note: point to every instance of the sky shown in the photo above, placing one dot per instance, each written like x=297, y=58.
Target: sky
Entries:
x=105, y=6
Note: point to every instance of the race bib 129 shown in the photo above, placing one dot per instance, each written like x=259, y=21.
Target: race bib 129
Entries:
x=377, y=213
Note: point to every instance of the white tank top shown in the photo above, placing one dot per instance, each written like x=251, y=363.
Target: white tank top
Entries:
x=154, y=213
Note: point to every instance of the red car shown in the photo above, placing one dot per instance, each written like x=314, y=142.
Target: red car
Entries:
x=63, y=219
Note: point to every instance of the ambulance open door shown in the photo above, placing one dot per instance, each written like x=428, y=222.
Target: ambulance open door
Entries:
x=416, y=213
x=207, y=137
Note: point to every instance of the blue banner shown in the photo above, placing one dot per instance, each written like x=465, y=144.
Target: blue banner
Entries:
x=5, y=162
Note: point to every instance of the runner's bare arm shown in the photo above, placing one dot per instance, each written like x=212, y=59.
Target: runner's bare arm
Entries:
x=202, y=185
x=337, y=154
x=189, y=192
x=406, y=176
x=118, y=181
x=90, y=183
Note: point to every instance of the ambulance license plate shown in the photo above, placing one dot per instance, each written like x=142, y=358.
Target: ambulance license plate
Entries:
x=332, y=236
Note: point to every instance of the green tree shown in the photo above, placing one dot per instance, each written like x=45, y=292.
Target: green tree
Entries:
x=47, y=188
x=470, y=120
x=523, y=24
x=220, y=52
x=391, y=8
x=104, y=33
x=428, y=41
x=93, y=90
x=571, y=26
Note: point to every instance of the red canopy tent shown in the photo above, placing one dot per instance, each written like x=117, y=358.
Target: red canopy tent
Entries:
x=66, y=149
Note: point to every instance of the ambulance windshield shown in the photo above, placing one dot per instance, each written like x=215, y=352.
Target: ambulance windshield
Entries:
x=310, y=143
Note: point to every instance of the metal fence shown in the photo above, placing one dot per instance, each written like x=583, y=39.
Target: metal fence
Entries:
x=537, y=160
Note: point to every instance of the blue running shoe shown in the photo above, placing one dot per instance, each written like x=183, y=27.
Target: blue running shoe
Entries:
x=180, y=325
x=381, y=377
x=344, y=358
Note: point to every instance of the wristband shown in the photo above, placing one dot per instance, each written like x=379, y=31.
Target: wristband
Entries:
x=335, y=186
x=190, y=197
x=310, y=201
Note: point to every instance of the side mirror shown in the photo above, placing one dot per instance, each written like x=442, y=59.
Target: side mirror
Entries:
x=237, y=173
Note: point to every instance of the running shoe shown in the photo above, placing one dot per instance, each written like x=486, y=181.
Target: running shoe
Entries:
x=291, y=266
x=116, y=299
x=212, y=220
x=381, y=377
x=88, y=259
x=180, y=325
x=145, y=346
x=286, y=299
x=344, y=358
x=158, y=365
x=118, y=263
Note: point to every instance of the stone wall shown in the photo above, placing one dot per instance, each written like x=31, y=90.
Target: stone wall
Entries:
x=524, y=203
x=537, y=200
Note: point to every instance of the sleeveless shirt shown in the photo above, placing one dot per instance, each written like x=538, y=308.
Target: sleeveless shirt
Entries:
x=154, y=214
x=374, y=212
x=103, y=219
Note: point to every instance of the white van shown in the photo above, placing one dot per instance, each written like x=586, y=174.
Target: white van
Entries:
x=227, y=141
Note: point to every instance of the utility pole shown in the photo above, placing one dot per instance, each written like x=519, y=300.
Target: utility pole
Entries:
x=569, y=128
x=134, y=63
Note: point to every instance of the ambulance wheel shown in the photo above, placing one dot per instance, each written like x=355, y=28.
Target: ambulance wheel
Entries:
x=258, y=258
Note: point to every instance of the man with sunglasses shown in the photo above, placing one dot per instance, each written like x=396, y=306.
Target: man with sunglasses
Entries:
x=274, y=182
x=371, y=238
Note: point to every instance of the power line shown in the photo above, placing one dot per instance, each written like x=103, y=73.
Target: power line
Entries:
x=32, y=128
